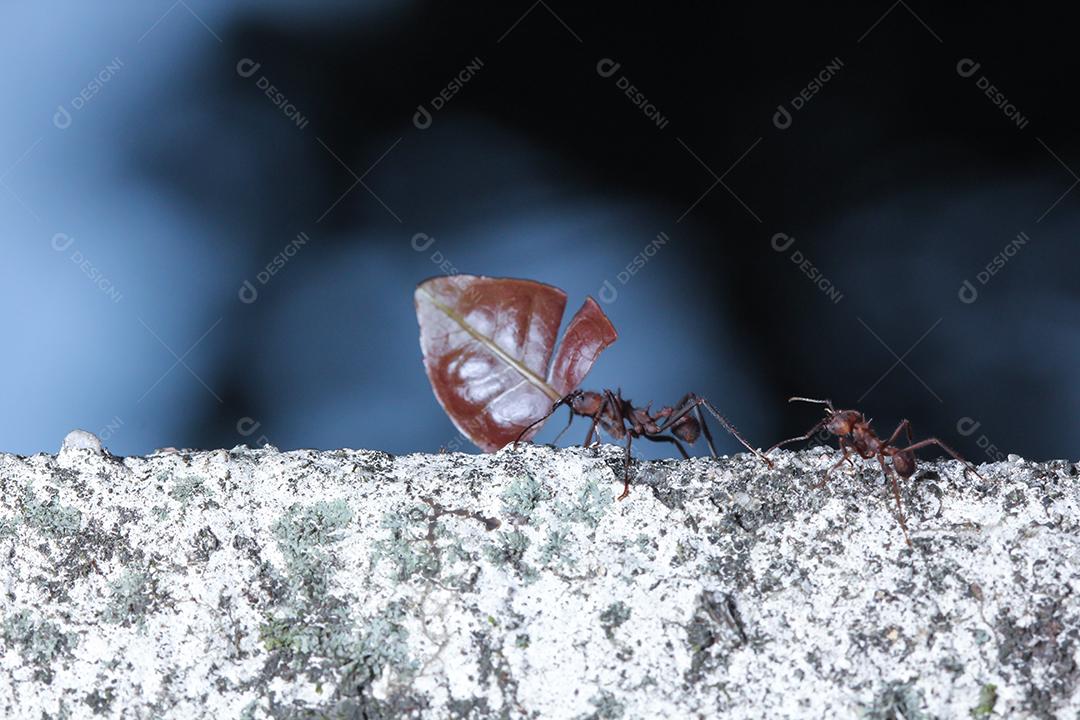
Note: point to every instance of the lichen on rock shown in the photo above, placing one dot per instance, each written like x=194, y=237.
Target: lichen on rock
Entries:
x=262, y=584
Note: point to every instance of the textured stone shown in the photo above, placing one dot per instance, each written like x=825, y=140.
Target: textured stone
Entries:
x=254, y=583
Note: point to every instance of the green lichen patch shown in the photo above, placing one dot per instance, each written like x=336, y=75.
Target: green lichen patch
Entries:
x=897, y=700
x=522, y=496
x=312, y=632
x=587, y=505
x=509, y=549
x=301, y=533
x=133, y=596
x=607, y=707
x=421, y=544
x=50, y=517
x=557, y=548
x=384, y=642
x=684, y=553
x=185, y=489
x=646, y=545
x=310, y=636
x=987, y=701
x=306, y=526
x=317, y=638
x=407, y=547
x=40, y=643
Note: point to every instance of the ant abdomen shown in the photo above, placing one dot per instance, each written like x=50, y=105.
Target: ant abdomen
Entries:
x=904, y=463
x=687, y=429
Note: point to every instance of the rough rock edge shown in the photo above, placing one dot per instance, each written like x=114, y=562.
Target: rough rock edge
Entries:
x=254, y=583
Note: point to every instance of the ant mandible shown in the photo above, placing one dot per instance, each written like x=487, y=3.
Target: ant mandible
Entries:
x=620, y=419
x=855, y=434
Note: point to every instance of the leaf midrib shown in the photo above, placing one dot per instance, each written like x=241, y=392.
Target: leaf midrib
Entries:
x=490, y=344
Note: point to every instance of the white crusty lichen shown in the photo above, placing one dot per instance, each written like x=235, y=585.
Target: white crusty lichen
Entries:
x=261, y=584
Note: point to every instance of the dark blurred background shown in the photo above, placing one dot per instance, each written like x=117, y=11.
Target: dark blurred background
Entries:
x=214, y=214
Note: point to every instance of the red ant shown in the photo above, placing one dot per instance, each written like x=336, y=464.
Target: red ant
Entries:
x=855, y=434
x=620, y=419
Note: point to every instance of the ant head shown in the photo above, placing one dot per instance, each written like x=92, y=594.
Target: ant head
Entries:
x=842, y=422
x=585, y=402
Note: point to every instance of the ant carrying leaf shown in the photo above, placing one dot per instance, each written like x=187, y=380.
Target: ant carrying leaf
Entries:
x=620, y=419
x=487, y=343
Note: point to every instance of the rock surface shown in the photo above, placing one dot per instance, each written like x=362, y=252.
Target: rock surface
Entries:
x=255, y=584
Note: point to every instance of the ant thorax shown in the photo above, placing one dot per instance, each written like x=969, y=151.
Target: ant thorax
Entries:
x=616, y=429
x=864, y=437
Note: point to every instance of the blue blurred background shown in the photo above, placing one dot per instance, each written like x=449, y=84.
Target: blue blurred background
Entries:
x=214, y=214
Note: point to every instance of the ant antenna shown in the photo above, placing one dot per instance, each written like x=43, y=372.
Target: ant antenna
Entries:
x=827, y=403
x=564, y=400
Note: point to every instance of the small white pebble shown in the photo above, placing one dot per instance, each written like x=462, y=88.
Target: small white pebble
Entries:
x=81, y=440
x=1015, y=458
x=746, y=502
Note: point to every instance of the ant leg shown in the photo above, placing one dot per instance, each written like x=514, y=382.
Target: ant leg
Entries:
x=904, y=425
x=569, y=422
x=595, y=420
x=616, y=406
x=946, y=448
x=809, y=434
x=896, y=494
x=847, y=451
x=670, y=439
x=588, y=435
x=696, y=402
x=676, y=415
x=705, y=430
x=626, y=468
x=731, y=429
x=609, y=401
